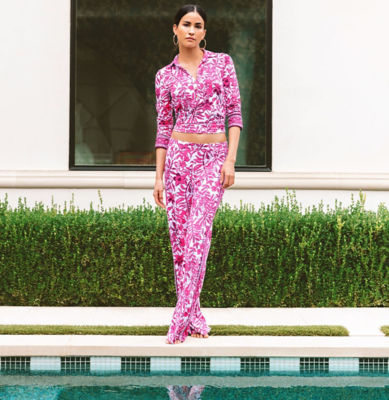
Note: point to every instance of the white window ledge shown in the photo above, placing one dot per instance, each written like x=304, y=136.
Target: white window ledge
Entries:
x=145, y=180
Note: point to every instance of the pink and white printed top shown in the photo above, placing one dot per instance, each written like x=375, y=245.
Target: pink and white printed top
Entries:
x=201, y=105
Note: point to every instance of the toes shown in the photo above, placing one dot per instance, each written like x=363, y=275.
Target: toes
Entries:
x=198, y=335
x=174, y=341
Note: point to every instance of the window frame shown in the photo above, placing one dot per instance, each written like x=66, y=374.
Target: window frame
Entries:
x=268, y=96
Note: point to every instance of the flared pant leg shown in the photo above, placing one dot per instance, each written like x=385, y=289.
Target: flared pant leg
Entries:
x=178, y=207
x=193, y=194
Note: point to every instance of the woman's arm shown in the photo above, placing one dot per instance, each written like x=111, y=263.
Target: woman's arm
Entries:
x=232, y=94
x=160, y=167
x=233, y=142
x=164, y=110
x=235, y=123
x=227, y=174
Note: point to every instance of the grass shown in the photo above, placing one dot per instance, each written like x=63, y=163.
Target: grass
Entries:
x=161, y=330
x=385, y=329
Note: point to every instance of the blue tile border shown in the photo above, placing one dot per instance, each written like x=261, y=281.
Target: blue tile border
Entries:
x=251, y=365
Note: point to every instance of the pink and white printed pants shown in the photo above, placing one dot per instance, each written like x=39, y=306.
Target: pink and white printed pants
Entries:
x=193, y=194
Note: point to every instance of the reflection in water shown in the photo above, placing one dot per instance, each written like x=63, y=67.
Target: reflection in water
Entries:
x=184, y=392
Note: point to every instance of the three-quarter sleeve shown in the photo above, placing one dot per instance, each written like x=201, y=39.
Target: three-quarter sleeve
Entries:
x=164, y=110
x=232, y=94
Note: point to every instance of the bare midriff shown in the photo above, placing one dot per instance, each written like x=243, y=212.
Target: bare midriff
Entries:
x=200, y=137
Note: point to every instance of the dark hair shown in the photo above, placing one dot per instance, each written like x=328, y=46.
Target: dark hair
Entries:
x=189, y=8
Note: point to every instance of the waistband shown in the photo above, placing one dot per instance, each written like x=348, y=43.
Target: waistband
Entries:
x=214, y=126
x=183, y=143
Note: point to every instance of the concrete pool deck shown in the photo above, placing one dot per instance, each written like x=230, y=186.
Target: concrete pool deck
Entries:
x=363, y=324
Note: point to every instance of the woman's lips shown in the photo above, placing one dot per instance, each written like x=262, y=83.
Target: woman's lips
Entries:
x=190, y=38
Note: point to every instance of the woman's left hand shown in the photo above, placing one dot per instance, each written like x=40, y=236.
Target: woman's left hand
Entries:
x=227, y=173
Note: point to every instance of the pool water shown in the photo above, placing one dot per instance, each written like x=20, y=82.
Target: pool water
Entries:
x=50, y=386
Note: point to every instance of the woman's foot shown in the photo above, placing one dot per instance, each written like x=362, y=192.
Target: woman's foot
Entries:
x=199, y=335
x=177, y=341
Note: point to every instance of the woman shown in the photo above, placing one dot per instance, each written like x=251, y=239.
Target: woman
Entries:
x=202, y=88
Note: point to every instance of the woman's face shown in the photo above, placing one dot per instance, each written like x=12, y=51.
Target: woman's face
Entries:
x=191, y=25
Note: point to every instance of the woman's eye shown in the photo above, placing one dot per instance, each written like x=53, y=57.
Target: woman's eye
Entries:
x=197, y=26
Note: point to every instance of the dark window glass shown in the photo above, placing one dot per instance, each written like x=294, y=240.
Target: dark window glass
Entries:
x=117, y=47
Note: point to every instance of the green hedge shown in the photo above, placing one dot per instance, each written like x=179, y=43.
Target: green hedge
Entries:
x=275, y=256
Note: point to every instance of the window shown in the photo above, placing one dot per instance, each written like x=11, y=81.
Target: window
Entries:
x=117, y=47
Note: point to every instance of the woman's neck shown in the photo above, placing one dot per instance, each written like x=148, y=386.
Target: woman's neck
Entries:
x=188, y=56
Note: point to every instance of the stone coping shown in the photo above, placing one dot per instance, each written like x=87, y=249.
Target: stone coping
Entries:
x=264, y=346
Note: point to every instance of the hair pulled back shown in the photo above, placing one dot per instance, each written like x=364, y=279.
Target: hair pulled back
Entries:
x=187, y=8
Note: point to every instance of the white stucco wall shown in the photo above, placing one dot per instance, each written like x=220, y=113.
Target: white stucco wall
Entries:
x=34, y=81
x=330, y=85
x=330, y=97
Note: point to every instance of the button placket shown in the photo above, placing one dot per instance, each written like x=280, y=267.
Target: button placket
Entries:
x=196, y=84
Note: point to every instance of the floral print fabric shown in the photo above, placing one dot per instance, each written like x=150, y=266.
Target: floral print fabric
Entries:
x=193, y=194
x=200, y=105
x=184, y=392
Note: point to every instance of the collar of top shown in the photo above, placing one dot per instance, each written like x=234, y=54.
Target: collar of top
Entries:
x=176, y=63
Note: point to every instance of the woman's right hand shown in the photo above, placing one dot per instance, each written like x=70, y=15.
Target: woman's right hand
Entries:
x=158, y=193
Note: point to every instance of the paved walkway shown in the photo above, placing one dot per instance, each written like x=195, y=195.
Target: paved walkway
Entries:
x=363, y=321
x=363, y=324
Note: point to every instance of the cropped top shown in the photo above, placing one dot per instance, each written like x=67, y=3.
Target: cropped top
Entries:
x=200, y=105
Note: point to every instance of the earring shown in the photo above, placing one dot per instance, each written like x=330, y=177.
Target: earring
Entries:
x=204, y=44
x=175, y=43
